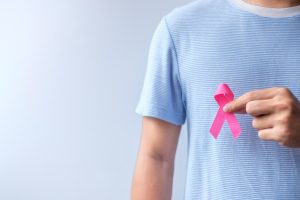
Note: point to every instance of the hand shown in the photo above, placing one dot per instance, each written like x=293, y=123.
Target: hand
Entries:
x=276, y=113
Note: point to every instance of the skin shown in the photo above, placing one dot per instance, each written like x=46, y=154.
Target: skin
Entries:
x=276, y=114
x=275, y=111
x=274, y=3
x=153, y=175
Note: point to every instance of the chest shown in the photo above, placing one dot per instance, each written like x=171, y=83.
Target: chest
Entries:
x=244, y=59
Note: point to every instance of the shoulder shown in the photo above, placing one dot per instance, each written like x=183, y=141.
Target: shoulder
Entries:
x=191, y=12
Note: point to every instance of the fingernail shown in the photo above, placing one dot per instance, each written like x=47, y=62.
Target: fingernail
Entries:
x=226, y=108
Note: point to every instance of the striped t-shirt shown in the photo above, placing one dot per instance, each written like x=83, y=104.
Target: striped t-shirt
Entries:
x=207, y=42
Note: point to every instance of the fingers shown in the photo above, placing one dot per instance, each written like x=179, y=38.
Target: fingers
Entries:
x=239, y=105
x=267, y=128
x=263, y=122
x=260, y=107
x=267, y=134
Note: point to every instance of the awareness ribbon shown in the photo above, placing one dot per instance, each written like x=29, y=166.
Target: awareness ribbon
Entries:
x=223, y=96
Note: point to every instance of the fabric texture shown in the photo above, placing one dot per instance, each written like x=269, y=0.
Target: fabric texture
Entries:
x=195, y=48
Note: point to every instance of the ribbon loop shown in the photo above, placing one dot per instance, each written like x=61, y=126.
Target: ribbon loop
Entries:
x=223, y=96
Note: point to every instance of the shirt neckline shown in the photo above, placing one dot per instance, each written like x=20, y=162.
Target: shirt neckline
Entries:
x=266, y=11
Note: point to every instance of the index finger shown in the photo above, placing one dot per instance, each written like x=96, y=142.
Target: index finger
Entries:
x=239, y=105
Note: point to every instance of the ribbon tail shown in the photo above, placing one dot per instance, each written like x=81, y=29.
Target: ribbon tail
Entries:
x=217, y=124
x=234, y=125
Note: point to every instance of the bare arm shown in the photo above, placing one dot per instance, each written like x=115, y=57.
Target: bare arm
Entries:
x=153, y=175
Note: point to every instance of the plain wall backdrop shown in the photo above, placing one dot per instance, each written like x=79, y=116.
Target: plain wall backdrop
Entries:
x=71, y=73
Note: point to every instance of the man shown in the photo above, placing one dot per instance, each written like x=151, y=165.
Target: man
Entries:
x=254, y=47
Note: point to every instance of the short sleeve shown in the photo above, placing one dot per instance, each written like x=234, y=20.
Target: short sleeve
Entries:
x=161, y=95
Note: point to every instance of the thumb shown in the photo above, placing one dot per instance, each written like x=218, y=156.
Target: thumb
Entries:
x=235, y=106
x=229, y=107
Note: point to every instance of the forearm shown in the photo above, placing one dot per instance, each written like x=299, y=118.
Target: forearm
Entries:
x=153, y=178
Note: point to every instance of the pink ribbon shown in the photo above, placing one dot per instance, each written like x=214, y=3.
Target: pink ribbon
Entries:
x=223, y=96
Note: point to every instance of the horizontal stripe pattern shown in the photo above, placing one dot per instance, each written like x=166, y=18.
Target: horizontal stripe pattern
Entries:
x=200, y=45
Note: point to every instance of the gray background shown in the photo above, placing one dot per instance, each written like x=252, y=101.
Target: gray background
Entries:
x=71, y=73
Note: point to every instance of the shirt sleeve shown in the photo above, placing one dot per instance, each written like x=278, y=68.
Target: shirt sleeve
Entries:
x=161, y=95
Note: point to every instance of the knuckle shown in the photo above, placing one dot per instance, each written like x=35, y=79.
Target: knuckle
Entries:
x=283, y=132
x=284, y=105
x=289, y=106
x=283, y=91
x=273, y=107
x=285, y=119
x=282, y=120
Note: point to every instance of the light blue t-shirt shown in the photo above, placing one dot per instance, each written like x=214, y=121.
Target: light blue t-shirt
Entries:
x=207, y=42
